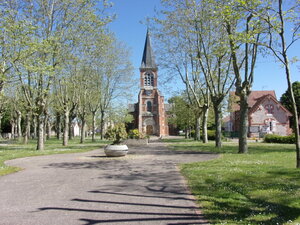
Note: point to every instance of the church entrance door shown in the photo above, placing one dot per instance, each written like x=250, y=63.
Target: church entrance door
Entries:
x=149, y=130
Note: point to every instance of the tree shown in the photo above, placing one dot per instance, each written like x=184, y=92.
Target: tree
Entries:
x=244, y=32
x=213, y=56
x=14, y=38
x=177, y=40
x=54, y=27
x=83, y=78
x=115, y=77
x=278, y=20
x=65, y=91
x=285, y=99
x=182, y=114
x=3, y=104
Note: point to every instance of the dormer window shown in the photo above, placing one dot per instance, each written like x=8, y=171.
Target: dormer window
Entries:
x=149, y=79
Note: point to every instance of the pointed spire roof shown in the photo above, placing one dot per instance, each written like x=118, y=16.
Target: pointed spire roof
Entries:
x=148, y=60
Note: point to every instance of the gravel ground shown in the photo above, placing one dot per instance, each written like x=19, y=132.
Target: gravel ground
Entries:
x=145, y=187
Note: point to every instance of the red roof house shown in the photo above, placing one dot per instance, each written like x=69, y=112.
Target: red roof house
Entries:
x=266, y=115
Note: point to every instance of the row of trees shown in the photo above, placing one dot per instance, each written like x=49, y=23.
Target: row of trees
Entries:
x=59, y=58
x=213, y=46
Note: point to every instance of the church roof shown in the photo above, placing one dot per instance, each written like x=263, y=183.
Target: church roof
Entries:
x=148, y=60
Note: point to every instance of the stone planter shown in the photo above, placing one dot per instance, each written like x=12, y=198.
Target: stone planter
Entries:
x=116, y=150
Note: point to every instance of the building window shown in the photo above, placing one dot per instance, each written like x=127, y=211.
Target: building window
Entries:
x=271, y=125
x=269, y=109
x=149, y=106
x=149, y=79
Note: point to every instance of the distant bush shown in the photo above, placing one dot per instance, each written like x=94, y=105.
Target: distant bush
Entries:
x=273, y=138
x=193, y=133
x=210, y=134
x=135, y=134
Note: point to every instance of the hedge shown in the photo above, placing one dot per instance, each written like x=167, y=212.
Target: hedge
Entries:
x=273, y=138
x=210, y=134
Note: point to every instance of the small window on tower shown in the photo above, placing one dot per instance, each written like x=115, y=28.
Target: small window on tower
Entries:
x=149, y=106
x=149, y=79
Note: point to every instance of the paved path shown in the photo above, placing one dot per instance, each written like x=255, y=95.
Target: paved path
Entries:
x=145, y=187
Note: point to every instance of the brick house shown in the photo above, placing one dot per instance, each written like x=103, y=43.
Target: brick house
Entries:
x=150, y=112
x=266, y=115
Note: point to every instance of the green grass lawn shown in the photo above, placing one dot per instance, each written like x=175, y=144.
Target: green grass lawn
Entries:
x=262, y=187
x=52, y=146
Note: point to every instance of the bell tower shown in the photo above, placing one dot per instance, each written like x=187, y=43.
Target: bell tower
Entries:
x=151, y=109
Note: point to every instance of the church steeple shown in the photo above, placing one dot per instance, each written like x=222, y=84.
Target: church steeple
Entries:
x=148, y=61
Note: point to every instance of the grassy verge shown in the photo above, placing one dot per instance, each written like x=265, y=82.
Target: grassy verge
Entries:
x=52, y=146
x=262, y=187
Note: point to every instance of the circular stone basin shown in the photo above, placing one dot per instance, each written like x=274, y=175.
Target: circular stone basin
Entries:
x=116, y=150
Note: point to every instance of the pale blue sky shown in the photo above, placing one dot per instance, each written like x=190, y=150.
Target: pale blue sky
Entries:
x=129, y=29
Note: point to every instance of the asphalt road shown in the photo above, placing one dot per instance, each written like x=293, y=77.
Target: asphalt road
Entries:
x=144, y=187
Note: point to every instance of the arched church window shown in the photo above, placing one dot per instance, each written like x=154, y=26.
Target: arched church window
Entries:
x=149, y=106
x=149, y=79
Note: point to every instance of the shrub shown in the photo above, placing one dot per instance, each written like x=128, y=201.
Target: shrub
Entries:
x=116, y=133
x=210, y=134
x=193, y=133
x=135, y=134
x=273, y=138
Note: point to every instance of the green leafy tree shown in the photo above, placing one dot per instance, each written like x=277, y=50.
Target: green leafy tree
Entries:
x=182, y=114
x=15, y=37
x=57, y=27
x=280, y=16
x=115, y=78
x=286, y=101
x=281, y=20
x=177, y=40
x=212, y=55
x=244, y=33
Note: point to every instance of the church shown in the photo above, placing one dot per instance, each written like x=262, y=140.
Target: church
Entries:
x=150, y=112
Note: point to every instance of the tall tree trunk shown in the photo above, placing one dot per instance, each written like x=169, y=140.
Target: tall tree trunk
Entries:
x=48, y=129
x=58, y=126
x=1, y=116
x=66, y=128
x=204, y=123
x=46, y=117
x=27, y=129
x=35, y=126
x=218, y=124
x=82, y=136
x=290, y=86
x=71, y=131
x=243, y=129
x=186, y=132
x=102, y=124
x=197, y=130
x=94, y=127
x=19, y=128
x=294, y=110
x=40, y=128
x=72, y=116
x=12, y=123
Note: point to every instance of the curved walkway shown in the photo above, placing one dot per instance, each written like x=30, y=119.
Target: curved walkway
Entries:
x=145, y=187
